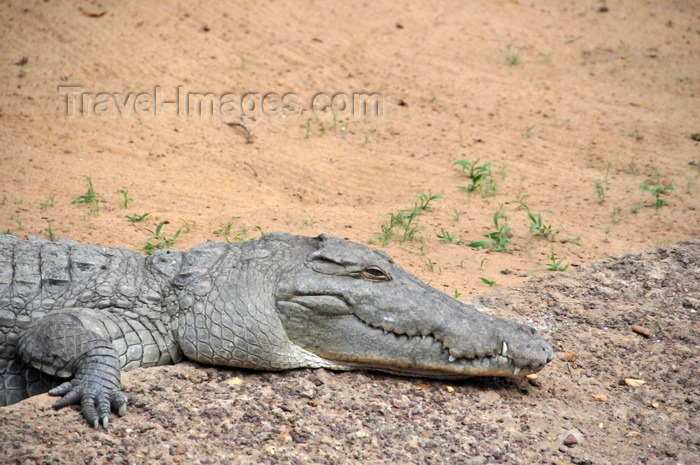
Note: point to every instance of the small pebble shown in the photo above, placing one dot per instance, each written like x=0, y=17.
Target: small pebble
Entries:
x=570, y=440
x=641, y=330
x=234, y=381
x=287, y=407
x=532, y=379
x=631, y=382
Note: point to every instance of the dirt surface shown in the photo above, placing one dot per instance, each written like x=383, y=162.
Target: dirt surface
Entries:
x=190, y=414
x=574, y=105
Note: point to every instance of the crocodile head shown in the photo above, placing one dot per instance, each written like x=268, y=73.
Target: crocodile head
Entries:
x=355, y=308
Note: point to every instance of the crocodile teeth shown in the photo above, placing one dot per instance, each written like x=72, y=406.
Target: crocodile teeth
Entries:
x=451, y=359
x=504, y=352
x=516, y=371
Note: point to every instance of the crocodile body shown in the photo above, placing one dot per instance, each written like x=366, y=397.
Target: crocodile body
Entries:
x=74, y=316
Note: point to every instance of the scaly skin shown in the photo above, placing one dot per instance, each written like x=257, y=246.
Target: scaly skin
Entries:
x=73, y=316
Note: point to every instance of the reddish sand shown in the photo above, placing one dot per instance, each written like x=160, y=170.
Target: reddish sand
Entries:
x=574, y=105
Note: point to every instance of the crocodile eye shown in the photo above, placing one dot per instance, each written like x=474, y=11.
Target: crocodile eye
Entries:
x=374, y=273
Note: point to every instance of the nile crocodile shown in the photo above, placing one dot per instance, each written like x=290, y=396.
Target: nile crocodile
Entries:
x=74, y=316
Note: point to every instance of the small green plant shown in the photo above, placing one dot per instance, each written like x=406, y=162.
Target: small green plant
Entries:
x=50, y=233
x=538, y=227
x=225, y=228
x=403, y=222
x=423, y=201
x=244, y=62
x=615, y=215
x=657, y=191
x=555, y=265
x=574, y=240
x=457, y=294
x=511, y=55
x=600, y=190
x=224, y=231
x=158, y=241
x=634, y=135
x=488, y=281
x=187, y=226
x=632, y=166
x=432, y=267
x=601, y=183
x=520, y=204
x=308, y=222
x=503, y=172
x=528, y=132
x=445, y=236
x=500, y=237
x=126, y=200
x=242, y=234
x=480, y=176
x=459, y=133
x=655, y=176
x=8, y=232
x=90, y=198
x=136, y=218
x=48, y=203
x=322, y=128
x=481, y=263
x=456, y=214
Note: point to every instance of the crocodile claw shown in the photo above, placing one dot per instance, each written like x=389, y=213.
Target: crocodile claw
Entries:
x=96, y=403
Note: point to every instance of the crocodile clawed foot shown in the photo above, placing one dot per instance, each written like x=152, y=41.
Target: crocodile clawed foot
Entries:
x=96, y=402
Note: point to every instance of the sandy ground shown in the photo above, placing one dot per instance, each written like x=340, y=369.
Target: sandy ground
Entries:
x=573, y=104
x=611, y=396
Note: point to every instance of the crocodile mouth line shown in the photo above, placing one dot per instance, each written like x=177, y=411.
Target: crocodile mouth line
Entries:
x=498, y=362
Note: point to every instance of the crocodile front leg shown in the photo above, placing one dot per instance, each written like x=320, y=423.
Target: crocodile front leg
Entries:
x=69, y=345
